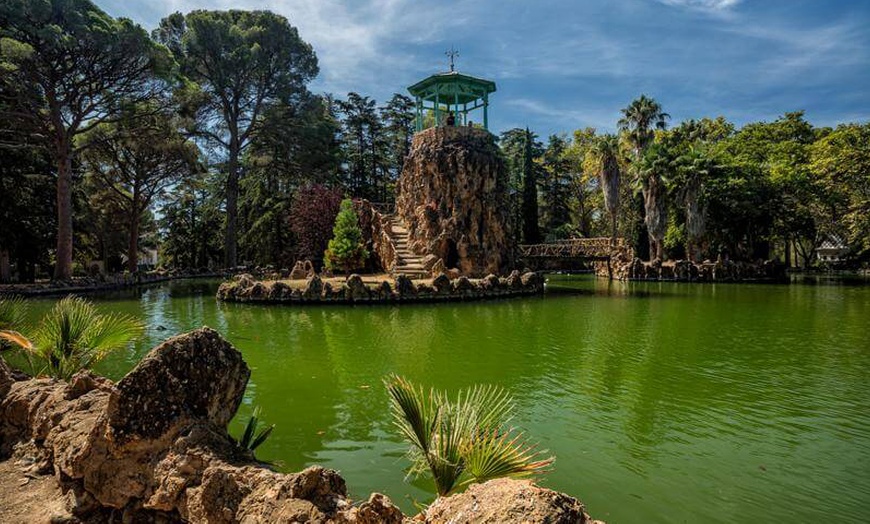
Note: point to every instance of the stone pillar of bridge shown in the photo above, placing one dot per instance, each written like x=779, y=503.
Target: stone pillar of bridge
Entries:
x=453, y=197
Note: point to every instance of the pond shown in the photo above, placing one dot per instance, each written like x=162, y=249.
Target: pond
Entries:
x=662, y=402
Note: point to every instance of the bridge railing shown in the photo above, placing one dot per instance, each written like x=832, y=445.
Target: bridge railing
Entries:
x=596, y=247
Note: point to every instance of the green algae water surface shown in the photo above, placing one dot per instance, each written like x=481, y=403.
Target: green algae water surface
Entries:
x=661, y=402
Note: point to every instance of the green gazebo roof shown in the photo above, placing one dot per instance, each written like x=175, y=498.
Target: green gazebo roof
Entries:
x=453, y=95
x=453, y=86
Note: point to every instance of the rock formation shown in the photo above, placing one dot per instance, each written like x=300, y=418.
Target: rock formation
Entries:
x=506, y=501
x=154, y=448
x=622, y=266
x=453, y=195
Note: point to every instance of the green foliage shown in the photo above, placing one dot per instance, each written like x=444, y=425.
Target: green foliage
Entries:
x=462, y=441
x=346, y=251
x=252, y=438
x=13, y=318
x=71, y=67
x=244, y=64
x=73, y=336
x=840, y=163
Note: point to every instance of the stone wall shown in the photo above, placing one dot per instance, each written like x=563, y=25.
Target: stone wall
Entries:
x=442, y=288
x=623, y=267
x=376, y=233
x=453, y=197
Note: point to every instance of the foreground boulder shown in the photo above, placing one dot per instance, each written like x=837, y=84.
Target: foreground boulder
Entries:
x=507, y=501
x=155, y=445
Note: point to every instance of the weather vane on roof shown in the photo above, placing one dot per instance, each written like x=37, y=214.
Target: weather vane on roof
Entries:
x=453, y=53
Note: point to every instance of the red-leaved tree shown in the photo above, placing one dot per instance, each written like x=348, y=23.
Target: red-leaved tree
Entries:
x=312, y=216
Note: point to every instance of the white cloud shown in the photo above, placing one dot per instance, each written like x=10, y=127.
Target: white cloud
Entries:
x=707, y=5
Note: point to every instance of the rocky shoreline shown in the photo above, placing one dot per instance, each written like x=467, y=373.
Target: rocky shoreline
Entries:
x=316, y=290
x=621, y=267
x=99, y=284
x=153, y=447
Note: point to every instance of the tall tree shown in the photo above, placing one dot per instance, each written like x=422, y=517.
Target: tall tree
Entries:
x=639, y=121
x=557, y=186
x=243, y=61
x=76, y=65
x=398, y=120
x=653, y=170
x=137, y=158
x=841, y=163
x=602, y=160
x=691, y=171
x=361, y=135
x=531, y=230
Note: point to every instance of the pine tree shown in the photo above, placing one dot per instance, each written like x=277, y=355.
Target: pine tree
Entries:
x=346, y=251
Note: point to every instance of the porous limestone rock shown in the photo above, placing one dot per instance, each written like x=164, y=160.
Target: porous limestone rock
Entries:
x=313, y=288
x=452, y=195
x=355, y=288
x=404, y=286
x=200, y=376
x=507, y=501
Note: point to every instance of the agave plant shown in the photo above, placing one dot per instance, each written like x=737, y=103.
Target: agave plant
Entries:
x=74, y=336
x=462, y=441
x=251, y=438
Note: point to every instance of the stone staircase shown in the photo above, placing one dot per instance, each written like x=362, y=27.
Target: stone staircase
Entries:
x=407, y=262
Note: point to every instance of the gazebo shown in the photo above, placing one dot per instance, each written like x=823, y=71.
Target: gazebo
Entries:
x=452, y=94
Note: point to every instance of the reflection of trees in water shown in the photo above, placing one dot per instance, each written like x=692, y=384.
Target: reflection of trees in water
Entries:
x=297, y=390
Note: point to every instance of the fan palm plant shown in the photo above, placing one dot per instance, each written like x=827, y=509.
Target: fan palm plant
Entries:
x=461, y=441
x=74, y=336
x=13, y=316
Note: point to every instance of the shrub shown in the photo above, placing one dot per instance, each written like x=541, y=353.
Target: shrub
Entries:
x=346, y=251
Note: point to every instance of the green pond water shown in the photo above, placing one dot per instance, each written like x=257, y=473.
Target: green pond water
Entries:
x=662, y=402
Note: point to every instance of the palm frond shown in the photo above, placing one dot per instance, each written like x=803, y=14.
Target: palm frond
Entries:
x=496, y=455
x=74, y=336
x=414, y=414
x=461, y=438
x=16, y=338
x=13, y=313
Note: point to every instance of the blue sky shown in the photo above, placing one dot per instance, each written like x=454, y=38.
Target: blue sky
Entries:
x=565, y=65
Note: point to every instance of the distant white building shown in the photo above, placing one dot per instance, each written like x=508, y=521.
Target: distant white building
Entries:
x=832, y=249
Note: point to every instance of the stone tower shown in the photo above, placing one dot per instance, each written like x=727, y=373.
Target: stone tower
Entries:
x=453, y=197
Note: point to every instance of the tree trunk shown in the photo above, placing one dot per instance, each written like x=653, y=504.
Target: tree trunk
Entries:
x=5, y=267
x=133, y=247
x=230, y=259
x=63, y=265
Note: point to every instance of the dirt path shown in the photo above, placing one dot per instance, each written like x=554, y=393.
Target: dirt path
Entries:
x=29, y=498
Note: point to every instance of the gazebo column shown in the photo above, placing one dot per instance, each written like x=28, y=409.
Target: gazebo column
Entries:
x=437, y=109
x=486, y=111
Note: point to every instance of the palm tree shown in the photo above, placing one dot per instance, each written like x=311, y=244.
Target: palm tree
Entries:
x=639, y=121
x=463, y=441
x=603, y=156
x=653, y=169
x=73, y=336
x=692, y=168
